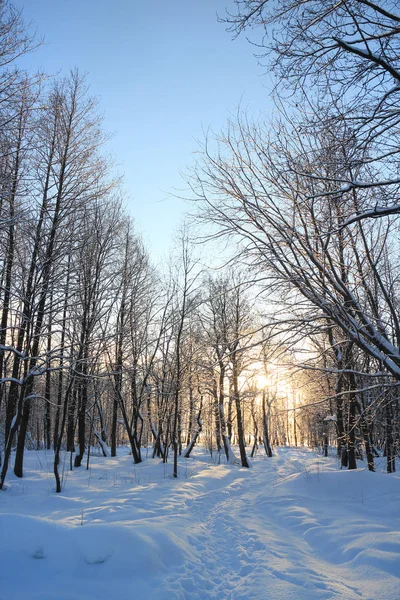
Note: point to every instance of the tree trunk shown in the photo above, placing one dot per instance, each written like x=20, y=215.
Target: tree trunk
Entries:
x=57, y=446
x=267, y=445
x=239, y=418
x=192, y=443
x=390, y=456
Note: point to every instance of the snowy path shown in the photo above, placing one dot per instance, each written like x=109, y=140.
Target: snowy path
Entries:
x=290, y=528
x=255, y=541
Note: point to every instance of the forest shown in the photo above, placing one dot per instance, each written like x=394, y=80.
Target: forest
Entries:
x=286, y=340
x=295, y=341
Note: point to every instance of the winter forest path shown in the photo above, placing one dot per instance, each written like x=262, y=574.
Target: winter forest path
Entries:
x=254, y=540
x=290, y=528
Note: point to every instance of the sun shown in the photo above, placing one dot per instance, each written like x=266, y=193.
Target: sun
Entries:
x=262, y=381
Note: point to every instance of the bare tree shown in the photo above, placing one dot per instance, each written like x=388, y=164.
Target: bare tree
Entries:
x=345, y=55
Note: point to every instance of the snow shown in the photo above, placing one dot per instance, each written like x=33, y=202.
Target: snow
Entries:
x=331, y=418
x=294, y=527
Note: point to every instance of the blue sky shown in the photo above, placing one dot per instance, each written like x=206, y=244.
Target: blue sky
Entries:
x=164, y=71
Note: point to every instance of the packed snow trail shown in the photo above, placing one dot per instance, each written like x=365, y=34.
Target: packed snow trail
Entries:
x=290, y=528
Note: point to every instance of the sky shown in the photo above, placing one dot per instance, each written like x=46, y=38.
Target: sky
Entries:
x=164, y=72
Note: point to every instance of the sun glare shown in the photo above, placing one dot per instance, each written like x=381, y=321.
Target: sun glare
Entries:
x=262, y=381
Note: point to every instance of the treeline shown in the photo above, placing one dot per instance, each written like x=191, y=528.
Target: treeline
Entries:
x=97, y=347
x=312, y=198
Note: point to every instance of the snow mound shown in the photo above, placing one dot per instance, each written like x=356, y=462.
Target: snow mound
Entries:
x=51, y=552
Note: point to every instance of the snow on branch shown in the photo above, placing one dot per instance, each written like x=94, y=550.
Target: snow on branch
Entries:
x=374, y=213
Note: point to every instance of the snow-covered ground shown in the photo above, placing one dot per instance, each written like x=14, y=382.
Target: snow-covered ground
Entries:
x=290, y=528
